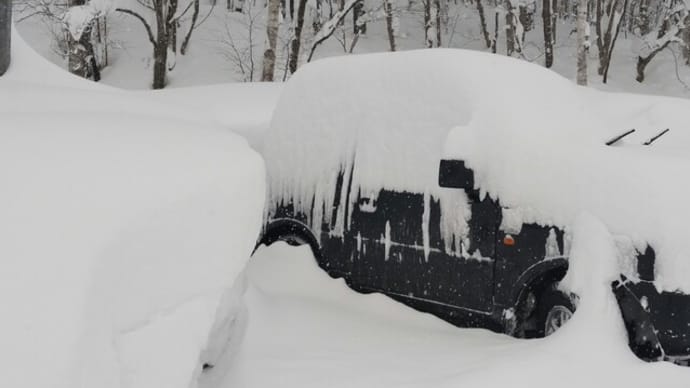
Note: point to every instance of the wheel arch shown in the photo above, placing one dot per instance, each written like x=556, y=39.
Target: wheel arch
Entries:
x=539, y=276
x=291, y=231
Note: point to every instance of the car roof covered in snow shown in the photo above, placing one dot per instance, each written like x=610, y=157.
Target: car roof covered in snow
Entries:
x=535, y=140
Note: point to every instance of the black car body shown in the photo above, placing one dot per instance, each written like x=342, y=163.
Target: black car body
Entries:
x=390, y=213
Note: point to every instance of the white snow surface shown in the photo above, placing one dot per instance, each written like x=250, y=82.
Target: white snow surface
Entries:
x=308, y=330
x=124, y=230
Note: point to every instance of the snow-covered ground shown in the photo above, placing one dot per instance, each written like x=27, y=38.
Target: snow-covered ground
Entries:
x=308, y=330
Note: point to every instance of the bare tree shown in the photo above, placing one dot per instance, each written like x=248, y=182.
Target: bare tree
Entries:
x=192, y=26
x=331, y=26
x=269, y=62
x=547, y=18
x=582, y=42
x=482, y=23
x=297, y=37
x=609, y=15
x=432, y=29
x=388, y=9
x=164, y=41
x=512, y=29
x=670, y=30
x=239, y=47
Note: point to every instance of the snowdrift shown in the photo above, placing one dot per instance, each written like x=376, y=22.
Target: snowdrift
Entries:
x=123, y=236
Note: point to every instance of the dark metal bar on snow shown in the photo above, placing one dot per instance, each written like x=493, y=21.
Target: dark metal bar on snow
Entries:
x=619, y=137
x=653, y=139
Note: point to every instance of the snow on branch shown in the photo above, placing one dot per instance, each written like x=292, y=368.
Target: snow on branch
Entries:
x=78, y=18
x=330, y=26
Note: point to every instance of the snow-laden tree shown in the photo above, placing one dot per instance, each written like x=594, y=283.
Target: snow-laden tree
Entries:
x=85, y=24
x=674, y=23
x=166, y=14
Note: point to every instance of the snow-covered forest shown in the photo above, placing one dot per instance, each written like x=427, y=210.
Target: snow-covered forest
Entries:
x=620, y=45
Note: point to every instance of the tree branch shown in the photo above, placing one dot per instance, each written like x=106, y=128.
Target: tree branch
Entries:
x=152, y=39
x=330, y=26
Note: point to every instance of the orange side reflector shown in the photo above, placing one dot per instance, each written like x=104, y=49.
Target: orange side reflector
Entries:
x=508, y=240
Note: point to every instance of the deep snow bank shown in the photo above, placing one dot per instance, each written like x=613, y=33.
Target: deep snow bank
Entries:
x=124, y=227
x=111, y=228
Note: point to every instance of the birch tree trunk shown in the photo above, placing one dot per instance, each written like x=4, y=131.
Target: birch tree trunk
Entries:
x=582, y=42
x=437, y=22
x=510, y=27
x=269, y=62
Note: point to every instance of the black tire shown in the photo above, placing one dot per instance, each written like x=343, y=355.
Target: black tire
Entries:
x=551, y=301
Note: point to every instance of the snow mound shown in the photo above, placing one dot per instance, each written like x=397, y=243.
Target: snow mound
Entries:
x=121, y=237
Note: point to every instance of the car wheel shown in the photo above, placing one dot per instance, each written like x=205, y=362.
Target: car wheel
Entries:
x=554, y=310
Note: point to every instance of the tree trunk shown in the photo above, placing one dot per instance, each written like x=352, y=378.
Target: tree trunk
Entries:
x=437, y=22
x=686, y=40
x=582, y=42
x=601, y=47
x=5, y=34
x=171, y=25
x=271, y=40
x=388, y=7
x=510, y=28
x=495, y=40
x=554, y=19
x=297, y=38
x=547, y=15
x=482, y=23
x=643, y=17
x=428, y=41
x=357, y=12
x=642, y=62
x=160, y=48
x=188, y=37
x=613, y=38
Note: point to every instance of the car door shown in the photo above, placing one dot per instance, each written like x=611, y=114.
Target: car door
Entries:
x=400, y=251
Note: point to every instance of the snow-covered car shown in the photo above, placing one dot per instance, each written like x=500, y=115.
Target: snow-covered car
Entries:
x=448, y=180
x=125, y=228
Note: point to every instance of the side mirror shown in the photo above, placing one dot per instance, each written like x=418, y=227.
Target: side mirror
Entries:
x=454, y=174
x=645, y=264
